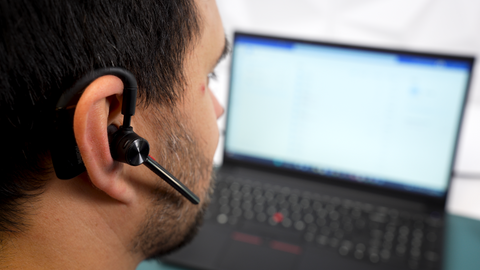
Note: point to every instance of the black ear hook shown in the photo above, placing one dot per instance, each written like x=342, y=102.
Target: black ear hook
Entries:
x=125, y=145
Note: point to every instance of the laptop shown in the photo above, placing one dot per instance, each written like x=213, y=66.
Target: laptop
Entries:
x=336, y=157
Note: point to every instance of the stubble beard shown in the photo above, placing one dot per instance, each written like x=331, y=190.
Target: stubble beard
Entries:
x=172, y=221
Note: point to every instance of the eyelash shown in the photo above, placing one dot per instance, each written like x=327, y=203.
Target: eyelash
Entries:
x=212, y=76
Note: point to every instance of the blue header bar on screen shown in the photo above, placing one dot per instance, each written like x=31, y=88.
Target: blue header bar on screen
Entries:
x=399, y=58
x=417, y=60
x=266, y=42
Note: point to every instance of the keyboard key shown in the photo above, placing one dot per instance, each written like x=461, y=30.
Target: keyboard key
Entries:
x=317, y=205
x=378, y=217
x=236, y=212
x=258, y=208
x=309, y=237
x=223, y=200
x=308, y=218
x=293, y=198
x=418, y=224
x=325, y=231
x=432, y=237
x=225, y=192
x=348, y=226
x=305, y=203
x=404, y=230
x=261, y=217
x=360, y=224
x=296, y=216
x=335, y=201
x=235, y=203
x=367, y=207
x=431, y=256
x=322, y=213
x=235, y=186
x=415, y=252
x=280, y=198
x=260, y=200
x=246, y=189
x=356, y=213
x=347, y=244
x=299, y=225
x=401, y=249
x=334, y=226
x=389, y=236
x=287, y=223
x=388, y=245
x=286, y=191
x=224, y=209
x=257, y=192
x=413, y=264
x=374, y=258
x=343, y=251
x=385, y=254
x=296, y=207
x=360, y=247
x=339, y=234
x=271, y=210
x=222, y=218
x=358, y=254
x=237, y=195
x=232, y=220
x=269, y=195
x=322, y=240
x=334, y=215
x=334, y=242
x=249, y=215
x=402, y=239
x=312, y=228
x=321, y=222
x=247, y=205
x=272, y=221
x=247, y=197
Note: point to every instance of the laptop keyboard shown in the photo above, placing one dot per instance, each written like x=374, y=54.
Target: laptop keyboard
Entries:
x=360, y=231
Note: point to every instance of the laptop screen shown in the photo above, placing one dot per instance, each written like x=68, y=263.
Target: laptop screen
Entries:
x=380, y=117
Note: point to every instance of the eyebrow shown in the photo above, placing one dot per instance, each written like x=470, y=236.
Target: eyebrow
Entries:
x=225, y=51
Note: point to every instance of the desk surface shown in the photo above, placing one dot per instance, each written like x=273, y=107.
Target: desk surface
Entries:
x=462, y=246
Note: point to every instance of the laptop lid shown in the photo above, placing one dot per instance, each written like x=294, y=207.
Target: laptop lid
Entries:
x=387, y=119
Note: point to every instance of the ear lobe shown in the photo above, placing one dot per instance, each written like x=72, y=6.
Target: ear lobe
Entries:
x=99, y=107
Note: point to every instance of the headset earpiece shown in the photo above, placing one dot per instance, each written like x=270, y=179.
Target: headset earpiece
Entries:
x=127, y=147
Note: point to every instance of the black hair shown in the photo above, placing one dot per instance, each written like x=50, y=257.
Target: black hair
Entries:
x=46, y=45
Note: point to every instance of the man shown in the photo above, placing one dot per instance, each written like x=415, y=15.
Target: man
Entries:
x=114, y=215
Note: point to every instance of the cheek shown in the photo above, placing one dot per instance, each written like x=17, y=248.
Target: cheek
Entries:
x=203, y=114
x=217, y=108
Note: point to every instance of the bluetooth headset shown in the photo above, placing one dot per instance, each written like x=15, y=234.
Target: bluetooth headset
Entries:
x=125, y=145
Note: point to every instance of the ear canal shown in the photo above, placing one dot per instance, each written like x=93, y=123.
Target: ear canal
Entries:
x=110, y=131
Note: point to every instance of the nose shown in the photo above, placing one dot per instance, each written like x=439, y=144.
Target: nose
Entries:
x=219, y=110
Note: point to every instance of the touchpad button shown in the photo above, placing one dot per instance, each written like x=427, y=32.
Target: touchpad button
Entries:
x=242, y=256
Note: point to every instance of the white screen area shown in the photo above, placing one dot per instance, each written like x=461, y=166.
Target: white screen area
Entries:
x=371, y=114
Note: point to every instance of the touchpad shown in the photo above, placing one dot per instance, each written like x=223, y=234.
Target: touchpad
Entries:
x=247, y=256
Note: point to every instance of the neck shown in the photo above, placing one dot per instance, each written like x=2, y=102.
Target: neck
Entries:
x=74, y=234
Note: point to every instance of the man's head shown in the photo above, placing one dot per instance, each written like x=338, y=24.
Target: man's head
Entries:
x=171, y=47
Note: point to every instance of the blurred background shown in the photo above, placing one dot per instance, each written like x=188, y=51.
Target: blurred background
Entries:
x=445, y=26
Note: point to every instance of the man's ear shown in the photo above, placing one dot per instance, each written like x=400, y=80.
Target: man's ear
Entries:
x=98, y=107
